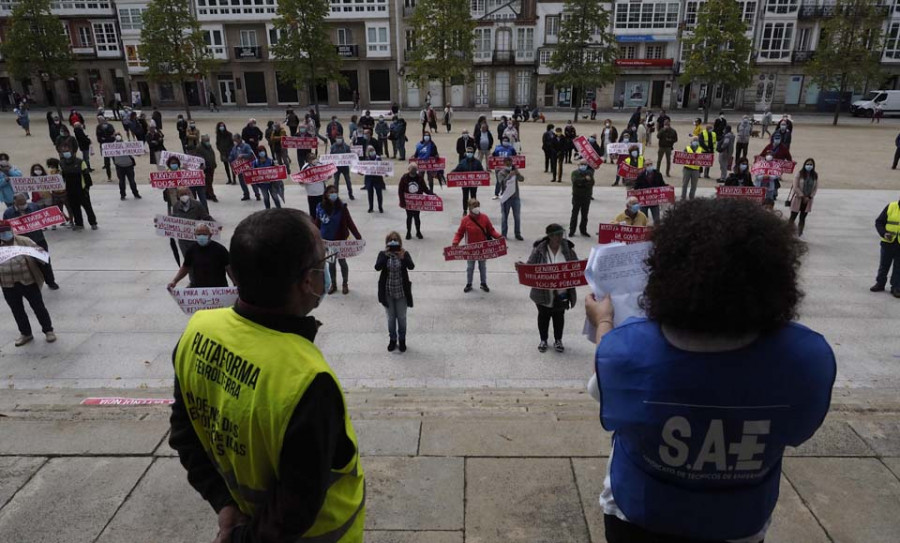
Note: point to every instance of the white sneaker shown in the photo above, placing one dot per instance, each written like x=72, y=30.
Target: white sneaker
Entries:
x=495, y=198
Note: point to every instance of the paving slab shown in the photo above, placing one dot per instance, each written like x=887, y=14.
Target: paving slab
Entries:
x=163, y=493
x=414, y=493
x=82, y=437
x=881, y=433
x=70, y=499
x=589, y=475
x=388, y=536
x=523, y=500
x=387, y=437
x=513, y=438
x=792, y=521
x=856, y=499
x=15, y=472
x=893, y=464
x=833, y=438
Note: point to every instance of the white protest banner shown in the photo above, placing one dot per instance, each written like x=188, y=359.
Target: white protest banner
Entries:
x=265, y=175
x=49, y=216
x=618, y=269
x=786, y=166
x=179, y=178
x=499, y=162
x=118, y=401
x=299, y=142
x=622, y=148
x=178, y=228
x=482, y=250
x=694, y=159
x=654, y=196
x=346, y=248
x=191, y=300
x=339, y=159
x=358, y=149
x=563, y=275
x=122, y=148
x=37, y=183
x=423, y=202
x=315, y=174
x=587, y=152
x=623, y=233
x=188, y=162
x=766, y=168
x=239, y=166
x=746, y=193
x=384, y=168
x=468, y=179
x=11, y=251
x=430, y=164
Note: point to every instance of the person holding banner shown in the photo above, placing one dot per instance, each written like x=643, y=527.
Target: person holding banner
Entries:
x=412, y=183
x=59, y=197
x=634, y=161
x=242, y=151
x=648, y=179
x=206, y=263
x=224, y=144
x=374, y=184
x=314, y=191
x=582, y=190
x=340, y=147
x=806, y=184
x=335, y=224
x=708, y=144
x=771, y=181
x=609, y=135
x=777, y=148
x=470, y=164
x=740, y=175
x=21, y=278
x=510, y=178
x=475, y=227
x=626, y=138
x=632, y=216
x=264, y=161
x=502, y=150
x=78, y=184
x=186, y=207
x=125, y=170
x=552, y=304
x=427, y=149
x=23, y=207
x=395, y=288
x=691, y=174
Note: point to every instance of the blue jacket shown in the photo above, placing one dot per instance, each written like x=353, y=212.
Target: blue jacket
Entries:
x=699, y=437
x=6, y=191
x=426, y=149
x=241, y=151
x=504, y=150
x=36, y=236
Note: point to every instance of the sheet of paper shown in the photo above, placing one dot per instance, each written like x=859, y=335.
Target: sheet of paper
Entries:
x=618, y=269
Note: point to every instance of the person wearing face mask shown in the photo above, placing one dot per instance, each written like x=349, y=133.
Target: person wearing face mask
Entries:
x=335, y=224
x=888, y=227
x=777, y=148
x=106, y=133
x=252, y=135
x=726, y=152
x=698, y=127
x=340, y=147
x=382, y=131
x=59, y=198
x=21, y=278
x=691, y=174
x=54, y=125
x=806, y=183
x=636, y=160
x=181, y=126
x=582, y=190
x=156, y=116
x=22, y=117
x=191, y=137
x=569, y=134
x=783, y=133
x=300, y=472
x=314, y=191
x=263, y=160
x=469, y=164
x=334, y=129
x=243, y=151
x=708, y=144
x=719, y=125
x=667, y=137
x=650, y=178
x=155, y=144
x=509, y=178
x=374, y=184
x=83, y=142
x=615, y=159
x=744, y=129
x=412, y=183
x=206, y=263
x=400, y=139
x=67, y=139
x=789, y=124
x=740, y=175
x=427, y=149
x=475, y=227
x=206, y=152
x=505, y=149
x=553, y=248
x=448, y=117
x=21, y=206
x=464, y=142
x=366, y=121
x=607, y=136
x=40, y=198
x=559, y=146
x=186, y=207
x=770, y=182
x=125, y=170
x=632, y=216
x=511, y=134
x=224, y=144
x=766, y=121
x=484, y=141
x=395, y=288
x=7, y=170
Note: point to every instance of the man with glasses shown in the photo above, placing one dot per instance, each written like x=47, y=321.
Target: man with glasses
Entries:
x=259, y=419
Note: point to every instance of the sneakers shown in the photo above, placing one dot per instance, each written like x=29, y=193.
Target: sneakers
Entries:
x=392, y=345
x=542, y=346
x=468, y=288
x=484, y=287
x=23, y=340
x=51, y=337
x=558, y=346
x=495, y=197
x=402, y=346
x=877, y=288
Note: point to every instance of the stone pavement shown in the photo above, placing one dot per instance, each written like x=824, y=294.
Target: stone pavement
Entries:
x=443, y=466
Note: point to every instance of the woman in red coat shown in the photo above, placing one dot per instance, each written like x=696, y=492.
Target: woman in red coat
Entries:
x=475, y=227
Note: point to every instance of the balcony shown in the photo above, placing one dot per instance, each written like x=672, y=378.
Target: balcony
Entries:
x=811, y=10
x=347, y=51
x=524, y=56
x=503, y=55
x=408, y=11
x=83, y=51
x=248, y=52
x=802, y=56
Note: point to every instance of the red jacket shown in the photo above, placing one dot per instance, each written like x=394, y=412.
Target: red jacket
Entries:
x=474, y=228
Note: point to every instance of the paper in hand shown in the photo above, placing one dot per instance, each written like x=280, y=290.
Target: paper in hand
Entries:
x=618, y=269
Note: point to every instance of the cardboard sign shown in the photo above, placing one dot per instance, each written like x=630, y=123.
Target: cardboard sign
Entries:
x=299, y=142
x=265, y=175
x=694, y=159
x=587, y=152
x=499, y=162
x=358, y=149
x=239, y=166
x=469, y=179
x=430, y=164
x=315, y=174
x=8, y=252
x=622, y=148
x=122, y=148
x=126, y=402
x=482, y=250
x=747, y=193
x=191, y=300
x=622, y=233
x=188, y=162
x=179, y=178
x=654, y=196
x=37, y=183
x=178, y=228
x=49, y=216
x=339, y=159
x=766, y=168
x=561, y=276
x=424, y=202
x=786, y=166
x=346, y=248
x=384, y=168
x=629, y=172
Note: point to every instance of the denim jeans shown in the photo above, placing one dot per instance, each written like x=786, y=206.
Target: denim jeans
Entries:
x=514, y=204
x=396, y=317
x=244, y=187
x=890, y=254
x=690, y=178
x=200, y=194
x=268, y=190
x=345, y=271
x=482, y=271
x=345, y=171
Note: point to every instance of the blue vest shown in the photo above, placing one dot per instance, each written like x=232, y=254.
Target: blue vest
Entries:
x=698, y=437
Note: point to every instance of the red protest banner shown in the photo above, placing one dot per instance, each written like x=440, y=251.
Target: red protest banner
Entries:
x=587, y=152
x=299, y=142
x=265, y=175
x=423, y=202
x=629, y=172
x=430, y=164
x=49, y=216
x=654, y=196
x=118, y=401
x=469, y=179
x=553, y=276
x=768, y=168
x=498, y=162
x=694, y=159
x=239, y=166
x=786, y=166
x=748, y=193
x=315, y=174
x=178, y=178
x=622, y=233
x=483, y=250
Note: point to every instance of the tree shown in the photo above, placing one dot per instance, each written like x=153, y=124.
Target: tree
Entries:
x=36, y=44
x=719, y=49
x=445, y=44
x=304, y=53
x=849, y=51
x=172, y=45
x=586, y=52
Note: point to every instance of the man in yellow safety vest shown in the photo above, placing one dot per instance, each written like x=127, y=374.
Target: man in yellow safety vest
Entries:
x=888, y=226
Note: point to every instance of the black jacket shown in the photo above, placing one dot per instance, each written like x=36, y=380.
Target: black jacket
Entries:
x=738, y=179
x=649, y=180
x=106, y=133
x=381, y=266
x=157, y=119
x=464, y=142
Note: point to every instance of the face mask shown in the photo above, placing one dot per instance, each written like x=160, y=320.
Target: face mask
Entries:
x=202, y=240
x=465, y=134
x=470, y=155
x=393, y=244
x=339, y=141
x=333, y=197
x=650, y=169
x=118, y=138
x=173, y=167
x=193, y=126
x=582, y=168
x=634, y=154
x=506, y=143
x=207, y=144
x=372, y=154
x=776, y=142
x=22, y=207
x=808, y=167
x=607, y=125
x=768, y=157
x=784, y=127
x=475, y=211
x=427, y=138
x=67, y=154
x=36, y=173
x=625, y=140
x=262, y=155
x=743, y=167
x=303, y=131
x=635, y=208
x=221, y=129
x=592, y=139
x=184, y=199
x=695, y=144
x=6, y=236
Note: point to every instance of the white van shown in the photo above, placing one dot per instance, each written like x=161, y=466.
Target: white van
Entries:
x=889, y=100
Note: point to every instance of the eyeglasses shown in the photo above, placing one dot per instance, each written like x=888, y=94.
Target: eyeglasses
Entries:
x=331, y=257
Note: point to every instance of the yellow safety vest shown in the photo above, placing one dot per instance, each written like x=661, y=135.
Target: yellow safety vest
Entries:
x=690, y=150
x=710, y=137
x=241, y=382
x=893, y=224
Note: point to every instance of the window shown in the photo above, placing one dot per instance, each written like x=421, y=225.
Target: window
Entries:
x=274, y=36
x=782, y=6
x=482, y=96
x=656, y=51
x=248, y=38
x=377, y=43
x=130, y=18
x=690, y=13
x=132, y=57
x=478, y=5
x=627, y=51
x=525, y=43
x=592, y=55
x=79, y=4
x=483, y=45
x=215, y=41
x=237, y=7
x=85, y=39
x=344, y=37
x=892, y=42
x=67, y=31
x=776, y=40
x=647, y=15
x=551, y=25
x=351, y=6
x=105, y=37
x=523, y=87
x=545, y=56
x=748, y=12
x=410, y=40
x=803, y=39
